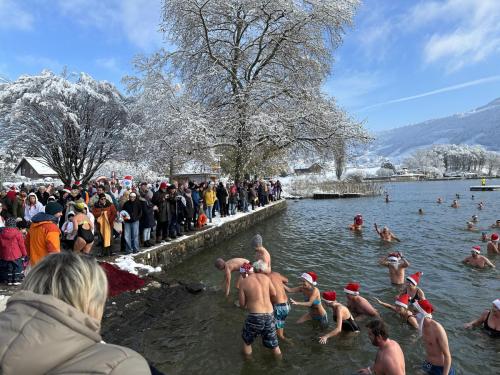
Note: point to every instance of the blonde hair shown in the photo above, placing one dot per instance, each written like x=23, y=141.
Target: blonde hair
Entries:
x=75, y=279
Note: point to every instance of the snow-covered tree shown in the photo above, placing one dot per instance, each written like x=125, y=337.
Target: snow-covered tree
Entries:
x=74, y=125
x=168, y=129
x=257, y=68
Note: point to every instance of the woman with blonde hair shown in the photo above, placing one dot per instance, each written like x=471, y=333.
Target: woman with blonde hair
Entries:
x=55, y=319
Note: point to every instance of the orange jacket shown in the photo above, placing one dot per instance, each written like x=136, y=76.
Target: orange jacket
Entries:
x=42, y=239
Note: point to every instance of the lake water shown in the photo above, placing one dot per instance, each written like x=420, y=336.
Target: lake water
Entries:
x=202, y=335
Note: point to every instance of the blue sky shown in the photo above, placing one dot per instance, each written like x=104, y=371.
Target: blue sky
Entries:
x=403, y=62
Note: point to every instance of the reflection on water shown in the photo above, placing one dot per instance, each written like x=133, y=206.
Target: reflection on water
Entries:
x=202, y=335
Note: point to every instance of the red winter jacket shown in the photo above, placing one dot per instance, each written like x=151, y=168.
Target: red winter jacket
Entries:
x=11, y=244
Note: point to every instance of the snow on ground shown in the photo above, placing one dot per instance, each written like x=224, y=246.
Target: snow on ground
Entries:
x=127, y=262
x=3, y=302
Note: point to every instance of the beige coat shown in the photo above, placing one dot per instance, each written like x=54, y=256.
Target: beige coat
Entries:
x=41, y=334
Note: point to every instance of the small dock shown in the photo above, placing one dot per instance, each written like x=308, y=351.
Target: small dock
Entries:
x=485, y=188
x=336, y=195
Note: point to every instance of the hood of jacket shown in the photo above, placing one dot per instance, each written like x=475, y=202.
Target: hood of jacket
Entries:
x=43, y=217
x=32, y=195
x=41, y=334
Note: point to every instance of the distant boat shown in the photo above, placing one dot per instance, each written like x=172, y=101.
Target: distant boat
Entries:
x=485, y=188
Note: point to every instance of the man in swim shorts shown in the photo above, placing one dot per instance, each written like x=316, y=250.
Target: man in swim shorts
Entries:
x=228, y=267
x=390, y=358
x=476, y=259
x=438, y=356
x=280, y=302
x=256, y=291
x=396, y=264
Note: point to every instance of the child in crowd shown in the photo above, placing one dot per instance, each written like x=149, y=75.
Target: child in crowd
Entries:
x=67, y=232
x=12, y=253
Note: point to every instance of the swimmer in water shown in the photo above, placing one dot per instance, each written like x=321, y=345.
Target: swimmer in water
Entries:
x=492, y=245
x=412, y=289
x=480, y=206
x=474, y=218
x=401, y=308
x=439, y=200
x=358, y=223
x=484, y=236
x=455, y=204
x=356, y=304
x=312, y=299
x=489, y=319
x=476, y=259
x=471, y=227
x=229, y=266
x=385, y=234
x=387, y=198
x=396, y=264
x=437, y=350
x=420, y=211
x=341, y=315
x=496, y=225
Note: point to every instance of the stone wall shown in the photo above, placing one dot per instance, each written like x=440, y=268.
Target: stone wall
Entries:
x=171, y=254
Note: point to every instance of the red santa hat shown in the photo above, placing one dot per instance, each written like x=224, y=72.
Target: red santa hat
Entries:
x=329, y=296
x=403, y=300
x=163, y=185
x=415, y=278
x=494, y=237
x=352, y=288
x=394, y=257
x=246, y=268
x=476, y=249
x=424, y=307
x=310, y=277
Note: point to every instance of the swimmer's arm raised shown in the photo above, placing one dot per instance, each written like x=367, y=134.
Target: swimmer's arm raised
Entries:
x=383, y=261
x=405, y=263
x=376, y=229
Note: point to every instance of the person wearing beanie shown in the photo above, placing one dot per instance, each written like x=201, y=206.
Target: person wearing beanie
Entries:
x=230, y=266
x=435, y=340
x=261, y=252
x=390, y=358
x=477, y=260
x=43, y=235
x=412, y=288
x=12, y=253
x=312, y=300
x=400, y=307
x=489, y=319
x=492, y=246
x=397, y=264
x=256, y=292
x=341, y=315
x=356, y=304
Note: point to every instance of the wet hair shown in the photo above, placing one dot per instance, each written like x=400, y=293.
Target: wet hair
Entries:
x=75, y=279
x=256, y=241
x=220, y=264
x=378, y=328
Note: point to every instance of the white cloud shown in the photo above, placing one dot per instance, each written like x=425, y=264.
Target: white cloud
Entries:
x=472, y=31
x=13, y=16
x=138, y=20
x=459, y=86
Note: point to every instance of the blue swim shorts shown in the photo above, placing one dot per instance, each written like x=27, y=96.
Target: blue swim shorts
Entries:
x=321, y=319
x=281, y=311
x=431, y=369
x=260, y=325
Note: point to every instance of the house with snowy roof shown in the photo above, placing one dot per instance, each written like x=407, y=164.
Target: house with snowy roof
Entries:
x=34, y=168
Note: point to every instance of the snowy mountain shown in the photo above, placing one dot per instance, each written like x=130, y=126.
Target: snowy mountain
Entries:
x=480, y=126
